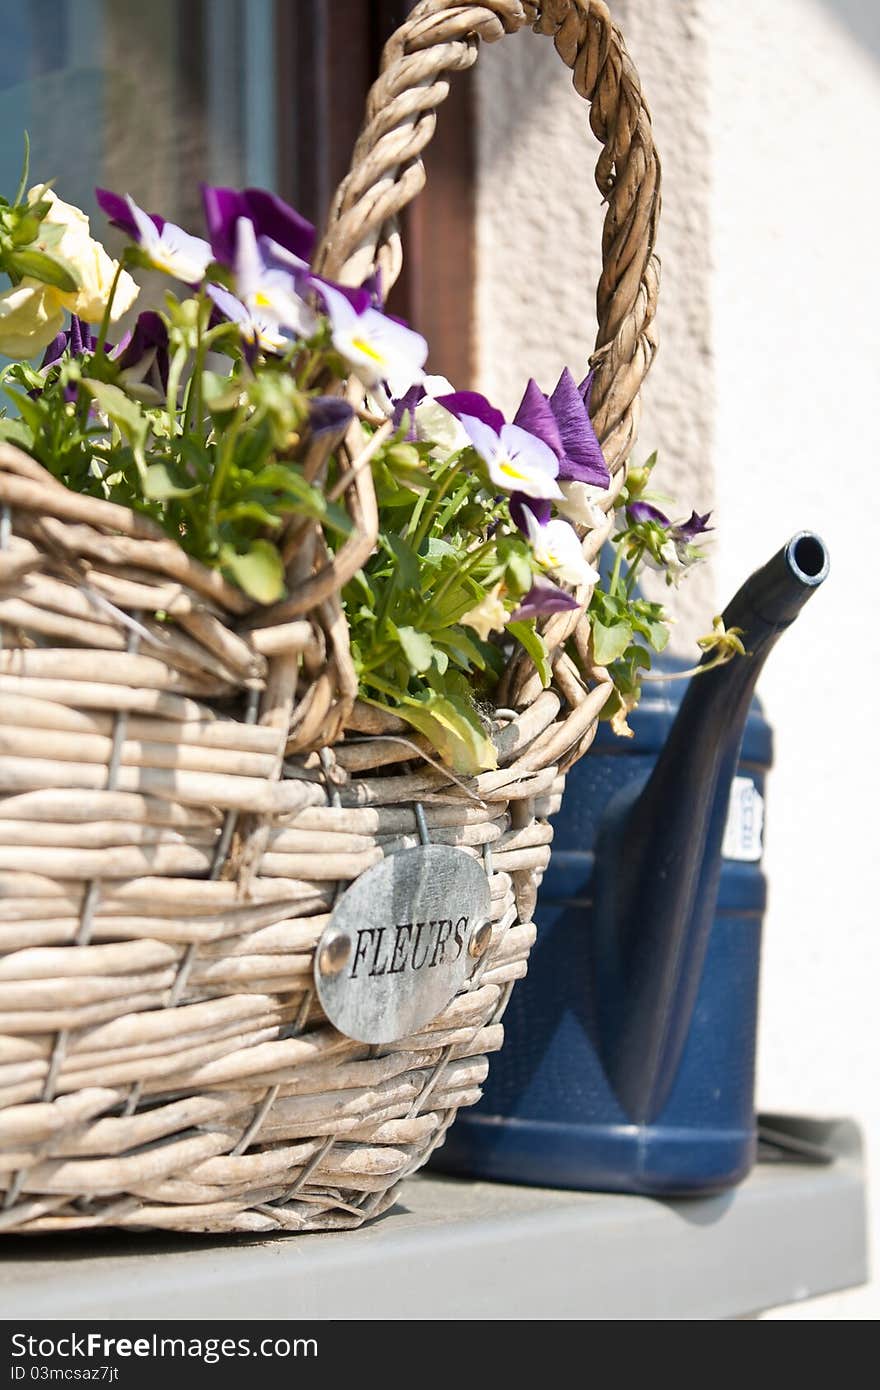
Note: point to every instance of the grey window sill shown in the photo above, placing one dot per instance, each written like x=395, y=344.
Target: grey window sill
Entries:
x=454, y=1249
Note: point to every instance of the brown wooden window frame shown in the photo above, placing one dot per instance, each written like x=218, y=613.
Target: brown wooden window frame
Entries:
x=328, y=55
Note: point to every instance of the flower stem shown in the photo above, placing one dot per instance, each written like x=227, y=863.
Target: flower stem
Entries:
x=386, y=690
x=175, y=372
x=431, y=511
x=632, y=571
x=108, y=308
x=615, y=573
x=720, y=660
x=469, y=565
x=225, y=455
x=193, y=405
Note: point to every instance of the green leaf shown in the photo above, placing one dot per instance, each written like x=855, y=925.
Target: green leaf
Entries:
x=609, y=642
x=454, y=728
x=258, y=570
x=249, y=511
x=25, y=169
x=127, y=415
x=436, y=550
x=639, y=657
x=515, y=555
x=519, y=574
x=408, y=571
x=462, y=647
x=657, y=634
x=337, y=518
x=33, y=412
x=608, y=608
x=220, y=394
x=49, y=270
x=159, y=485
x=528, y=636
x=417, y=647
x=28, y=228
x=650, y=620
x=25, y=375
x=194, y=457
x=281, y=477
x=15, y=432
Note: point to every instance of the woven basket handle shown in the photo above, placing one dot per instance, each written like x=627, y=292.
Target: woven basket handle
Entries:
x=441, y=37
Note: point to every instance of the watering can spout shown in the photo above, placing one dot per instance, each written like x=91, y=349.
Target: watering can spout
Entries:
x=659, y=850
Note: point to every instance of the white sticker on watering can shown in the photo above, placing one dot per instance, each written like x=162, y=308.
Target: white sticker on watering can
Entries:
x=401, y=941
x=745, y=822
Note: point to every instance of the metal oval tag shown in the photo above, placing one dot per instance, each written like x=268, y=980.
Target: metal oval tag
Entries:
x=401, y=942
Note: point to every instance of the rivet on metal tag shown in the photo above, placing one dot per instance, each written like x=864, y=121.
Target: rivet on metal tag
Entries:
x=398, y=946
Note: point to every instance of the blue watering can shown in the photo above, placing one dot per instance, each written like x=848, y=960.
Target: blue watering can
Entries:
x=629, y=1056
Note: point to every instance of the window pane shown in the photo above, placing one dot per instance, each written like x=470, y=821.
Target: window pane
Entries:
x=147, y=99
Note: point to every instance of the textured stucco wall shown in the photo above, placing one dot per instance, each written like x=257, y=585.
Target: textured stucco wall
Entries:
x=539, y=230
x=761, y=402
x=795, y=101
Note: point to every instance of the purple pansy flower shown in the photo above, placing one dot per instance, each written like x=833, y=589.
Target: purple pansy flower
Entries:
x=643, y=511
x=406, y=405
x=563, y=422
x=357, y=296
x=677, y=551
x=271, y=217
x=535, y=415
x=461, y=403
x=142, y=357
x=538, y=507
x=78, y=340
x=543, y=597
x=329, y=415
x=516, y=460
x=267, y=289
x=166, y=246
x=533, y=419
x=259, y=331
x=56, y=349
x=267, y=305
x=381, y=350
x=119, y=213
x=374, y=288
x=583, y=460
x=695, y=525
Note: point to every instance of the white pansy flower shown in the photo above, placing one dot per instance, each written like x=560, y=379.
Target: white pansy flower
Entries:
x=170, y=248
x=580, y=504
x=489, y=615
x=558, y=548
x=516, y=460
x=31, y=314
x=376, y=347
x=444, y=430
x=270, y=294
x=94, y=269
x=259, y=329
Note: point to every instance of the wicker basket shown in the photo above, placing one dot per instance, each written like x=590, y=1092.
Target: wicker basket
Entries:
x=187, y=785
